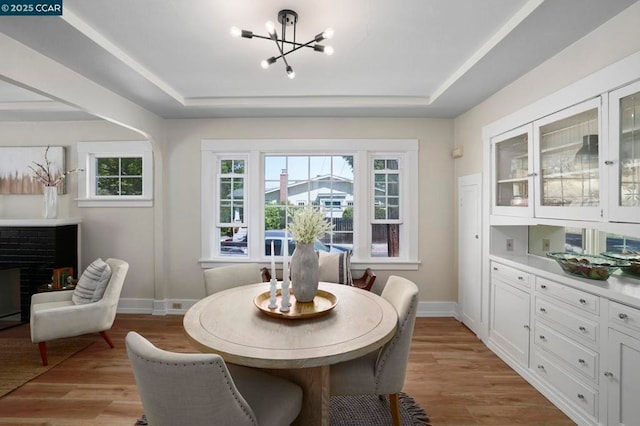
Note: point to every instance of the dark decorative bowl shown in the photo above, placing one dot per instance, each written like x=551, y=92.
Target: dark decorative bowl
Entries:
x=633, y=257
x=587, y=266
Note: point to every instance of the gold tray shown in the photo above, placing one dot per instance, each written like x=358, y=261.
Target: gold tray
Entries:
x=322, y=304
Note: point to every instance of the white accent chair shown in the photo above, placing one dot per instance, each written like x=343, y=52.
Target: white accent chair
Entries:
x=55, y=316
x=200, y=389
x=382, y=372
x=225, y=277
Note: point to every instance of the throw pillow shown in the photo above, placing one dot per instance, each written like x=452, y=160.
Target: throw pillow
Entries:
x=335, y=267
x=92, y=283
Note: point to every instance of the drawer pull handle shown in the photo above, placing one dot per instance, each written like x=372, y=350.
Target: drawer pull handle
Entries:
x=623, y=316
x=543, y=310
x=583, y=329
x=521, y=278
x=582, y=361
x=540, y=367
x=608, y=374
x=608, y=162
x=526, y=326
x=495, y=268
x=542, y=286
x=542, y=337
x=581, y=397
x=582, y=301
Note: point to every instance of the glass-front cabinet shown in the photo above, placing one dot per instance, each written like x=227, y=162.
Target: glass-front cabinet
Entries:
x=623, y=163
x=567, y=147
x=512, y=166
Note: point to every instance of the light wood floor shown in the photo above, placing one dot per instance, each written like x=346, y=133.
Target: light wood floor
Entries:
x=450, y=373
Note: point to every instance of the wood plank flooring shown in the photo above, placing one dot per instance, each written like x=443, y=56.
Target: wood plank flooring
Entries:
x=450, y=373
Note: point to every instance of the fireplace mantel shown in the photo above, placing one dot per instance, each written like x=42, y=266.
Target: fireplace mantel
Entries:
x=40, y=222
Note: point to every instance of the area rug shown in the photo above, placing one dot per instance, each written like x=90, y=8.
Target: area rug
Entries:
x=20, y=358
x=365, y=410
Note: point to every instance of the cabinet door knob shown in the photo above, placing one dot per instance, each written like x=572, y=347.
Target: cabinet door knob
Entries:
x=583, y=328
x=543, y=310
x=623, y=316
x=521, y=278
x=581, y=397
x=495, y=268
x=542, y=286
x=608, y=374
x=542, y=337
x=582, y=361
x=583, y=302
x=540, y=367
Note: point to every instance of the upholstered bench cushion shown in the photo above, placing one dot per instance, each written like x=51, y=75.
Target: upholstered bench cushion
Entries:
x=92, y=283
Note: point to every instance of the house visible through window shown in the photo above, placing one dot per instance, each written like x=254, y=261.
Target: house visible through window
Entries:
x=249, y=193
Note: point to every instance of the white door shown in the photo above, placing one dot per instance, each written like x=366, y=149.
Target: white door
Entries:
x=469, y=251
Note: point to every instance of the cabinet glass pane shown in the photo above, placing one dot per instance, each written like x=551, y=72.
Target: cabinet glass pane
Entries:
x=512, y=164
x=569, y=161
x=630, y=151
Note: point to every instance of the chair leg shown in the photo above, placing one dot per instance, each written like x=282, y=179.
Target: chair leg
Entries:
x=394, y=407
x=106, y=337
x=43, y=352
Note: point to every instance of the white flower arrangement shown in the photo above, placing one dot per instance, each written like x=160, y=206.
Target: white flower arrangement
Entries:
x=308, y=225
x=42, y=173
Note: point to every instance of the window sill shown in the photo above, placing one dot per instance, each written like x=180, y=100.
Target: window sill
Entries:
x=376, y=265
x=139, y=202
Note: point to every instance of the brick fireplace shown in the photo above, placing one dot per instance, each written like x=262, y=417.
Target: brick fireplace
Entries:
x=36, y=247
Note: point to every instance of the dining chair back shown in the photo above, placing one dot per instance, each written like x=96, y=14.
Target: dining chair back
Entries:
x=382, y=372
x=225, y=277
x=201, y=389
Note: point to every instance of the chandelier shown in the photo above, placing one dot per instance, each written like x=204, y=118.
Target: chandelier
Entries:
x=288, y=18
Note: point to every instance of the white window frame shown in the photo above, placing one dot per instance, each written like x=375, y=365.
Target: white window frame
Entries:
x=363, y=152
x=87, y=154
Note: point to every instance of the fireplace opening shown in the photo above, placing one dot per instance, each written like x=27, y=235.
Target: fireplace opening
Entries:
x=10, y=314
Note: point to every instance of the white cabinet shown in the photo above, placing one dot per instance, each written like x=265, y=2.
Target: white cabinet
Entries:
x=623, y=159
x=567, y=148
x=623, y=379
x=512, y=172
x=510, y=327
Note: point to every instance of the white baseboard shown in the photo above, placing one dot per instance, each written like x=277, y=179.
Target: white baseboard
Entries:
x=180, y=307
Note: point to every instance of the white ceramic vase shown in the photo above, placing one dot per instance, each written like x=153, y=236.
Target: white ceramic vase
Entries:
x=304, y=272
x=50, y=202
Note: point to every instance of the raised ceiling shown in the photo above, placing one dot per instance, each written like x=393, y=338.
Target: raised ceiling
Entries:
x=425, y=58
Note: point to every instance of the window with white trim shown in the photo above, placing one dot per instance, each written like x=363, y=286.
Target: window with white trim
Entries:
x=118, y=173
x=249, y=192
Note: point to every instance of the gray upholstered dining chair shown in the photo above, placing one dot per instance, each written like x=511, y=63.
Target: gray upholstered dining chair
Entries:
x=59, y=314
x=382, y=372
x=225, y=277
x=200, y=389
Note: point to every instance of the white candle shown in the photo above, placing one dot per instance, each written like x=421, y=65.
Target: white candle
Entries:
x=273, y=261
x=285, y=254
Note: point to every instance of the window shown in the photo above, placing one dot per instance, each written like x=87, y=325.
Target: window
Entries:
x=115, y=174
x=249, y=192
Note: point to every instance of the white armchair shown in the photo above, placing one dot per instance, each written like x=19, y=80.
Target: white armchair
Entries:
x=55, y=316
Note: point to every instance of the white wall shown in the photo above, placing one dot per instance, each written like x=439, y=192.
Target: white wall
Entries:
x=436, y=188
x=124, y=233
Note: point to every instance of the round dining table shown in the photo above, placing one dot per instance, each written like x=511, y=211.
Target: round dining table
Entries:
x=302, y=350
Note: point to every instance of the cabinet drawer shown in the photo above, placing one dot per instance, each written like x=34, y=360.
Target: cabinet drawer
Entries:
x=579, y=394
x=510, y=275
x=624, y=315
x=567, y=321
x=577, y=298
x=577, y=356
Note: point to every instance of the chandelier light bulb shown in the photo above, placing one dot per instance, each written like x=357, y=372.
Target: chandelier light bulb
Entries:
x=290, y=73
x=264, y=64
x=271, y=27
x=328, y=33
x=235, y=32
x=328, y=50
